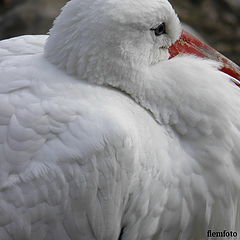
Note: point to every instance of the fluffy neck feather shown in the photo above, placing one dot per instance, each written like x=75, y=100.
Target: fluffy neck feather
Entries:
x=80, y=51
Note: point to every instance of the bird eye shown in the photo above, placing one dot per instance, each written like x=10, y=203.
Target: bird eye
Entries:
x=161, y=29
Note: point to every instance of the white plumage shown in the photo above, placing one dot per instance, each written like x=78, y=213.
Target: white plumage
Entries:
x=103, y=138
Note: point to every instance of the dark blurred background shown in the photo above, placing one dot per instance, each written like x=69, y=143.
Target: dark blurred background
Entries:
x=217, y=21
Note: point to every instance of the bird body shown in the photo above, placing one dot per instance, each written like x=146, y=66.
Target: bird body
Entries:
x=151, y=152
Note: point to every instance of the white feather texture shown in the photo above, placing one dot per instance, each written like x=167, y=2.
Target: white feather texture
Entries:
x=103, y=138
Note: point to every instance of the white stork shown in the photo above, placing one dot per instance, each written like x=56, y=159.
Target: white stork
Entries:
x=102, y=137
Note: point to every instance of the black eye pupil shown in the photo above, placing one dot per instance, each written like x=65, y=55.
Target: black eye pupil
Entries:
x=161, y=29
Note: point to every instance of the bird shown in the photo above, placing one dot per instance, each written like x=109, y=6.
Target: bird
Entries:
x=105, y=136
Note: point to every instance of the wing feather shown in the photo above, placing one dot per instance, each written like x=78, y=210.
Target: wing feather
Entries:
x=23, y=45
x=60, y=158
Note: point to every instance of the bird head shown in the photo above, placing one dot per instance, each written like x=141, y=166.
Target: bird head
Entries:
x=112, y=42
x=100, y=39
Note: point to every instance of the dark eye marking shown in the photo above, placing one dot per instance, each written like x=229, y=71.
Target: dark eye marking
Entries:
x=161, y=29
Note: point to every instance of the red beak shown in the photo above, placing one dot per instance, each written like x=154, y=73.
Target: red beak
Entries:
x=188, y=44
